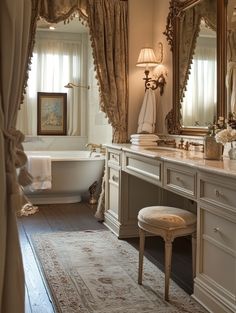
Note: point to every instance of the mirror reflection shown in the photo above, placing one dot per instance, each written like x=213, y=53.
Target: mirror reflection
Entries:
x=231, y=56
x=192, y=31
x=198, y=107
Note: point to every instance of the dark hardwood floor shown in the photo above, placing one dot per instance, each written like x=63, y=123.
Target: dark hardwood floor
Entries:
x=78, y=217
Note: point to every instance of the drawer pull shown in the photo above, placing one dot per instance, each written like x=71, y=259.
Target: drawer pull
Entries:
x=218, y=193
x=178, y=178
x=114, y=157
x=115, y=178
x=216, y=229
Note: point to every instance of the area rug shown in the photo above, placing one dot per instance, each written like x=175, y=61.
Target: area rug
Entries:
x=94, y=272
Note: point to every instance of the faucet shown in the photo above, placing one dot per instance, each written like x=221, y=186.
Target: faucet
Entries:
x=93, y=148
x=184, y=145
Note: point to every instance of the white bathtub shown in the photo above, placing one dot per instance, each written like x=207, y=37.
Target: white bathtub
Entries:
x=72, y=174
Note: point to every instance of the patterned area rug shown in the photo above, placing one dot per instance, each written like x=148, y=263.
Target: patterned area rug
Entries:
x=94, y=272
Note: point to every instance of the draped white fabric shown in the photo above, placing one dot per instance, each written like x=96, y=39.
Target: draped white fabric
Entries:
x=56, y=61
x=199, y=103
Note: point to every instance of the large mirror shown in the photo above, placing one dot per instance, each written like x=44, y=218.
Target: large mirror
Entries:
x=195, y=32
x=231, y=56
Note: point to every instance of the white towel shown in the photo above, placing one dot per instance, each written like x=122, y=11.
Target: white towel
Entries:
x=40, y=169
x=147, y=115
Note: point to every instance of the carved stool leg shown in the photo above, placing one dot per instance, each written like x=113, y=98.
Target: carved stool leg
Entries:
x=194, y=254
x=141, y=251
x=168, y=256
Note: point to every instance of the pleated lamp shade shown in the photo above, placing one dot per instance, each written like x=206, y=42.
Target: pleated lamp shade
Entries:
x=147, y=58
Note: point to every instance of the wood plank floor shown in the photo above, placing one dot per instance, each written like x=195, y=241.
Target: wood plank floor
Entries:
x=78, y=217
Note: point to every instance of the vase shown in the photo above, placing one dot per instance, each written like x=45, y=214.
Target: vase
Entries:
x=232, y=152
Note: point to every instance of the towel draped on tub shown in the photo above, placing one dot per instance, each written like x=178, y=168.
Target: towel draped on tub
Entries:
x=40, y=169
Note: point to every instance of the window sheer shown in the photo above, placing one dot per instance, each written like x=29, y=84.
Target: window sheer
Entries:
x=199, y=103
x=55, y=62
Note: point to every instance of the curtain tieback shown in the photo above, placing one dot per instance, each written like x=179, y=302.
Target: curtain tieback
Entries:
x=15, y=158
x=15, y=149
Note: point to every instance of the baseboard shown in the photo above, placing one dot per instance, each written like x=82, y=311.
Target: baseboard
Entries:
x=53, y=199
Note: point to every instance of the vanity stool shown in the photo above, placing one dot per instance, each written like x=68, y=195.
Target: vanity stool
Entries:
x=169, y=223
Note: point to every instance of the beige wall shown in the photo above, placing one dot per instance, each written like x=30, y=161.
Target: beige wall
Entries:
x=147, y=21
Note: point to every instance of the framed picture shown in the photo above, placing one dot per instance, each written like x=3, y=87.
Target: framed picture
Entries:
x=51, y=117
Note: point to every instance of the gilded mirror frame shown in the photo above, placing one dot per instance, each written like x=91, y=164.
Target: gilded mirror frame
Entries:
x=173, y=118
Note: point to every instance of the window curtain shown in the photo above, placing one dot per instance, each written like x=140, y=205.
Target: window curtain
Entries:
x=200, y=97
x=17, y=31
x=17, y=25
x=108, y=24
x=55, y=62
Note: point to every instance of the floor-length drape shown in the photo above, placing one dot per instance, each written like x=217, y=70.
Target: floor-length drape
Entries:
x=15, y=26
x=108, y=24
x=109, y=33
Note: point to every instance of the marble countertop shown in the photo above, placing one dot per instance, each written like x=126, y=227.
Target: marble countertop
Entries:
x=191, y=158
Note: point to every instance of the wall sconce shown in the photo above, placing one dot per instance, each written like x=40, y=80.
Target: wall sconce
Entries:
x=148, y=59
x=71, y=85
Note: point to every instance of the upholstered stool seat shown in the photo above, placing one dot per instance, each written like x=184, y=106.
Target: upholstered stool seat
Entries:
x=169, y=223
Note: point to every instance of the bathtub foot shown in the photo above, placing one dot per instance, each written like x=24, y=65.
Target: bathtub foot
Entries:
x=92, y=191
x=93, y=201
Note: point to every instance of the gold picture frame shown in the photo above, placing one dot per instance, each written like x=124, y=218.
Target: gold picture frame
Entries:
x=51, y=113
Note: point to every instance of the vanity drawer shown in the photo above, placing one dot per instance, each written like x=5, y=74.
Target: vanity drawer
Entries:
x=113, y=192
x=114, y=157
x=180, y=179
x=217, y=246
x=220, y=192
x=218, y=270
x=148, y=169
x=114, y=176
x=219, y=230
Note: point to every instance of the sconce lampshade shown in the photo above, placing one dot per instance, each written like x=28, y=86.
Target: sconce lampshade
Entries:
x=147, y=58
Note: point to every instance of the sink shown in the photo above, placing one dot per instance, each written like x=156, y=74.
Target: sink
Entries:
x=176, y=152
x=161, y=149
x=165, y=150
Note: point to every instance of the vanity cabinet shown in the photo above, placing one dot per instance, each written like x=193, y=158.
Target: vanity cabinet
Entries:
x=139, y=179
x=132, y=182
x=215, y=283
x=113, y=189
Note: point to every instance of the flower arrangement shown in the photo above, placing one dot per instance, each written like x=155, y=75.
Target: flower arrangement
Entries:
x=226, y=135
x=226, y=132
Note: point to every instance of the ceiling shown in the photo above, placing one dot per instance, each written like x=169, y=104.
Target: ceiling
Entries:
x=74, y=26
